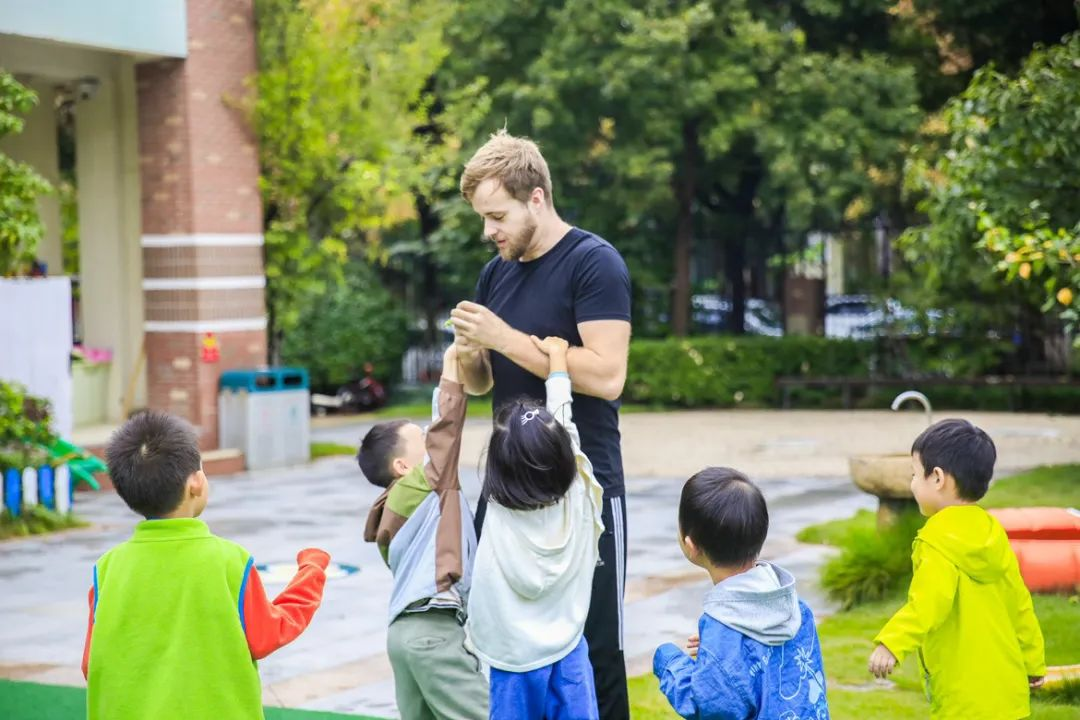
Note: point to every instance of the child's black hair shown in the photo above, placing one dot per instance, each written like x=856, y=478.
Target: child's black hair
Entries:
x=378, y=450
x=150, y=458
x=961, y=450
x=530, y=459
x=725, y=515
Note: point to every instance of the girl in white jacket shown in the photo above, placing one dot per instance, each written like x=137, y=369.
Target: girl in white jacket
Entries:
x=532, y=579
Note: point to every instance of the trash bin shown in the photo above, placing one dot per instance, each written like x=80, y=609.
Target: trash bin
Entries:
x=265, y=412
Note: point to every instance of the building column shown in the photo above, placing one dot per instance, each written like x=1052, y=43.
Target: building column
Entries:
x=110, y=263
x=201, y=215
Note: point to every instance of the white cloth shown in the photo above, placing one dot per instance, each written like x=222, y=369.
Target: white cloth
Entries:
x=532, y=582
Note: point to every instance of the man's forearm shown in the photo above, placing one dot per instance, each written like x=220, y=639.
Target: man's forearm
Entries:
x=590, y=374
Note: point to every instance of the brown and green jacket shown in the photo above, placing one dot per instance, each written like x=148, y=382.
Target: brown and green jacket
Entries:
x=422, y=522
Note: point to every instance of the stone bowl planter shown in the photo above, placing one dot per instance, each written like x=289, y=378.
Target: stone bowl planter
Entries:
x=887, y=477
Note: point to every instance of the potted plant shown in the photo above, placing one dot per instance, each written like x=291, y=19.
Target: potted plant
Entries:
x=90, y=384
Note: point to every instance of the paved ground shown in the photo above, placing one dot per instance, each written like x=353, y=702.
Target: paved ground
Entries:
x=340, y=664
x=786, y=443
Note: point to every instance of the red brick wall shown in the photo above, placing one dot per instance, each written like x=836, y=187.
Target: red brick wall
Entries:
x=199, y=172
x=186, y=385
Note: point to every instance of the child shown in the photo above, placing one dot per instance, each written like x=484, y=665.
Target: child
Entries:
x=968, y=614
x=534, y=567
x=757, y=650
x=424, y=530
x=178, y=616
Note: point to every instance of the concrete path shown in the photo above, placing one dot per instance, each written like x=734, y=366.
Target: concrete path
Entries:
x=784, y=443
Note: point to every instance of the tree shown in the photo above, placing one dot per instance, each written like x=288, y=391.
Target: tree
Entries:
x=1004, y=191
x=666, y=121
x=351, y=324
x=20, y=225
x=336, y=103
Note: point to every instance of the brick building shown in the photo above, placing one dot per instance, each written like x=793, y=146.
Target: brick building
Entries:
x=170, y=220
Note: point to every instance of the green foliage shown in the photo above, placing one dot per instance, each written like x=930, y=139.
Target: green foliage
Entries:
x=25, y=427
x=36, y=520
x=338, y=98
x=20, y=186
x=873, y=564
x=1001, y=195
x=686, y=120
x=731, y=371
x=351, y=324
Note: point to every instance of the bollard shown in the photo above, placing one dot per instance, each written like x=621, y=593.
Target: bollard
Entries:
x=47, y=487
x=13, y=491
x=29, y=487
x=63, y=489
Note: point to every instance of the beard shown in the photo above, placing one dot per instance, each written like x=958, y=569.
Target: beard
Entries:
x=519, y=244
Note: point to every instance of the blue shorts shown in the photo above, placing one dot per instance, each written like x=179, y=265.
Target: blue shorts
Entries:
x=564, y=690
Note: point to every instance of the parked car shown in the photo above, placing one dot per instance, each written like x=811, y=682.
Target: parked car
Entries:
x=710, y=314
x=862, y=316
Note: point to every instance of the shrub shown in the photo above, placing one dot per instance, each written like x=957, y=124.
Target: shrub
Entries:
x=730, y=371
x=872, y=564
x=351, y=324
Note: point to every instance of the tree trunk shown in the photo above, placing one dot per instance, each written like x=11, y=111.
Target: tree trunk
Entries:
x=429, y=289
x=685, y=188
x=735, y=247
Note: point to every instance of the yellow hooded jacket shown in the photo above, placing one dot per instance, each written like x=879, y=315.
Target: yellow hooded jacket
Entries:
x=969, y=616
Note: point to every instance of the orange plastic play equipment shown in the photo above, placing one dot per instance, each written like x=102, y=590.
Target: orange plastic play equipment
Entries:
x=1048, y=565
x=1039, y=523
x=1047, y=545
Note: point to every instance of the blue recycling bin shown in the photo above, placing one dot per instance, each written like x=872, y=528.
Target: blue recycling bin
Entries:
x=266, y=413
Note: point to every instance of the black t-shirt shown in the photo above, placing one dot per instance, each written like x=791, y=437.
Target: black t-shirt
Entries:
x=582, y=278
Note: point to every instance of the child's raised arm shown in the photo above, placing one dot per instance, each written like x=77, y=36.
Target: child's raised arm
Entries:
x=559, y=398
x=443, y=439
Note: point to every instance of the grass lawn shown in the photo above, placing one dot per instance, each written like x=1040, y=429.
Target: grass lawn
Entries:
x=329, y=449
x=31, y=701
x=846, y=642
x=1048, y=486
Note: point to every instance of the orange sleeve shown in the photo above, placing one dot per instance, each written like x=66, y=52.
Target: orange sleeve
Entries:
x=269, y=625
x=89, y=632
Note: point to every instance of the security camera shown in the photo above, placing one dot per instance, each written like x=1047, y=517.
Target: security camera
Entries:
x=86, y=88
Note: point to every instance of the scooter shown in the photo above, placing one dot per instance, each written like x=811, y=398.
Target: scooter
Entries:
x=362, y=395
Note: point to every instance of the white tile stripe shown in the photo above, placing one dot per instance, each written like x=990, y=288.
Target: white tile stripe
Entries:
x=203, y=240
x=620, y=560
x=245, y=282
x=205, y=326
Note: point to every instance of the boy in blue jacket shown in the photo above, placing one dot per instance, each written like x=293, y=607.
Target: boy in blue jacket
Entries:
x=757, y=653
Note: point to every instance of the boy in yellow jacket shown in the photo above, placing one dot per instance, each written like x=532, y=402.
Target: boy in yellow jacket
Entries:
x=968, y=616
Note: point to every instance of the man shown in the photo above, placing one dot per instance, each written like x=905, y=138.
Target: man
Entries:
x=551, y=278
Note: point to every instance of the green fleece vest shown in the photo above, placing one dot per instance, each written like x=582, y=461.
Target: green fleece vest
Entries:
x=168, y=640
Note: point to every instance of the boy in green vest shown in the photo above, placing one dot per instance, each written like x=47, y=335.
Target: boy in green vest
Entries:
x=178, y=616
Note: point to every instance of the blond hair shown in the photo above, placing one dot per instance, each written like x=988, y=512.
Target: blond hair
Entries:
x=515, y=162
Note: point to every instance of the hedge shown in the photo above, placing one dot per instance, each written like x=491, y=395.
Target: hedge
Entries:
x=718, y=371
